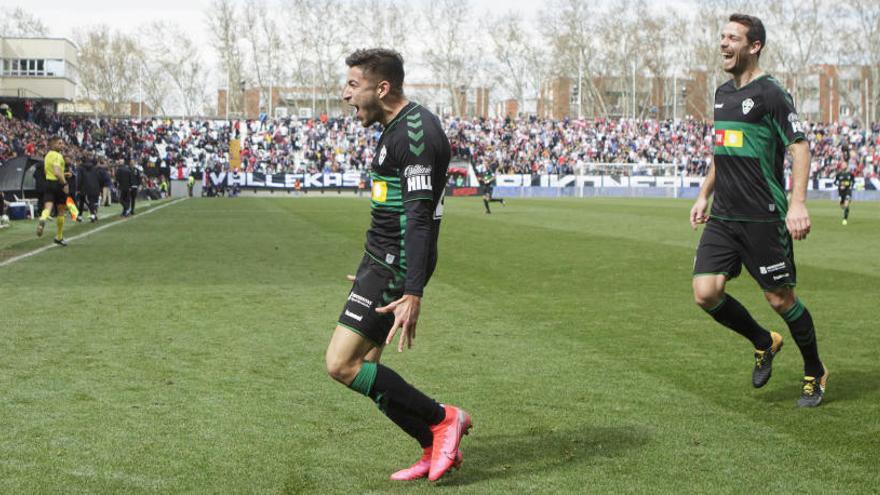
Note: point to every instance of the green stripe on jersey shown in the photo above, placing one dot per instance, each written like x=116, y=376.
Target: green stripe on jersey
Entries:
x=386, y=178
x=403, y=242
x=777, y=190
x=754, y=143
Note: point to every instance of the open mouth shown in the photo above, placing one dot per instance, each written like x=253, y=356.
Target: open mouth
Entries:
x=727, y=55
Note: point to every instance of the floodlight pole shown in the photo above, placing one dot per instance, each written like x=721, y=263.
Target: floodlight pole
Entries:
x=141, y=91
x=580, y=83
x=674, y=98
x=634, y=90
x=228, y=87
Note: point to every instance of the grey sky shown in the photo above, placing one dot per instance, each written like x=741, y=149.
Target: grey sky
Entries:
x=62, y=16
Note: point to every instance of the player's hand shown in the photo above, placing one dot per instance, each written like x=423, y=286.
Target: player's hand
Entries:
x=406, y=316
x=798, y=221
x=698, y=212
x=65, y=188
x=350, y=278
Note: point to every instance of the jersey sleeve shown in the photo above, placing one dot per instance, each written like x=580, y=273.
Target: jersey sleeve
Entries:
x=784, y=116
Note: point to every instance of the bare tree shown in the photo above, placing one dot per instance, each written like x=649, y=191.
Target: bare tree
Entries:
x=106, y=61
x=862, y=40
x=320, y=45
x=510, y=48
x=177, y=69
x=569, y=29
x=803, y=32
x=265, y=43
x=386, y=26
x=20, y=23
x=449, y=53
x=222, y=21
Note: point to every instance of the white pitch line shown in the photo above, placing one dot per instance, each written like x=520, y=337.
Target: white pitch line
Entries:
x=84, y=234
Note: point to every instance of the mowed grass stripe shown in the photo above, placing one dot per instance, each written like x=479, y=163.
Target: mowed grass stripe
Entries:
x=577, y=375
x=695, y=333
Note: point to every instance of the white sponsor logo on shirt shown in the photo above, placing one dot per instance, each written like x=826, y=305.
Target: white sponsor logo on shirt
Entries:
x=418, y=183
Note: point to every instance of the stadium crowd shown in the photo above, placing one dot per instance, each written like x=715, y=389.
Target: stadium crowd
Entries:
x=173, y=148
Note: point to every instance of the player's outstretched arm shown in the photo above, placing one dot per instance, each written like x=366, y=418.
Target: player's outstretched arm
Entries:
x=701, y=205
x=798, y=218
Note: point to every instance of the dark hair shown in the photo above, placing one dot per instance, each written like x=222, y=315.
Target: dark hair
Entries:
x=756, y=30
x=385, y=64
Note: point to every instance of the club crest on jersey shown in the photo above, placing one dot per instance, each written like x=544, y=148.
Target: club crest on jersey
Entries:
x=382, y=153
x=748, y=103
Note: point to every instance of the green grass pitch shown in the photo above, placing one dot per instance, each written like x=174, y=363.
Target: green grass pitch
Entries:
x=181, y=351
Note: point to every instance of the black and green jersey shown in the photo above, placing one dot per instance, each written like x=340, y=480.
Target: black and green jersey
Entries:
x=844, y=180
x=753, y=126
x=408, y=175
x=488, y=178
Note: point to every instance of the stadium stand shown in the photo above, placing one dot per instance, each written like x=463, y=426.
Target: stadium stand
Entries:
x=170, y=148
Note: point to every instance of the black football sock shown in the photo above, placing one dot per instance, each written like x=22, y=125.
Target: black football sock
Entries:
x=846, y=213
x=384, y=386
x=800, y=323
x=496, y=200
x=414, y=426
x=486, y=204
x=390, y=387
x=733, y=315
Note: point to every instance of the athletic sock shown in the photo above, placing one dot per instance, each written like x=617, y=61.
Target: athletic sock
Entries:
x=405, y=405
x=486, y=204
x=412, y=425
x=846, y=213
x=800, y=323
x=733, y=315
x=45, y=214
x=59, y=223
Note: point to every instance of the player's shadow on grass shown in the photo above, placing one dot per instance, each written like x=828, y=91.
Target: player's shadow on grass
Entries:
x=541, y=450
x=843, y=385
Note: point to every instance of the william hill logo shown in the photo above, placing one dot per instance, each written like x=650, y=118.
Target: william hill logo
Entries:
x=728, y=138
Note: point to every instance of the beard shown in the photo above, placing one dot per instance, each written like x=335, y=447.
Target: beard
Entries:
x=371, y=113
x=740, y=64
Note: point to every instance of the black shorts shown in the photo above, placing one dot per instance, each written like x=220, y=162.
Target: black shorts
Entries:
x=54, y=193
x=486, y=190
x=375, y=286
x=765, y=248
x=845, y=195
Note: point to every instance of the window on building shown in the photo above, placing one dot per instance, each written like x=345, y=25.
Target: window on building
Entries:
x=24, y=67
x=55, y=68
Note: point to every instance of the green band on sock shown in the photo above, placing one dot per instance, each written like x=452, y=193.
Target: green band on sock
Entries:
x=794, y=312
x=363, y=382
x=714, y=309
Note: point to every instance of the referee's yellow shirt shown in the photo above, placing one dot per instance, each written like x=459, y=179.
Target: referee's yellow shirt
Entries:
x=52, y=159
